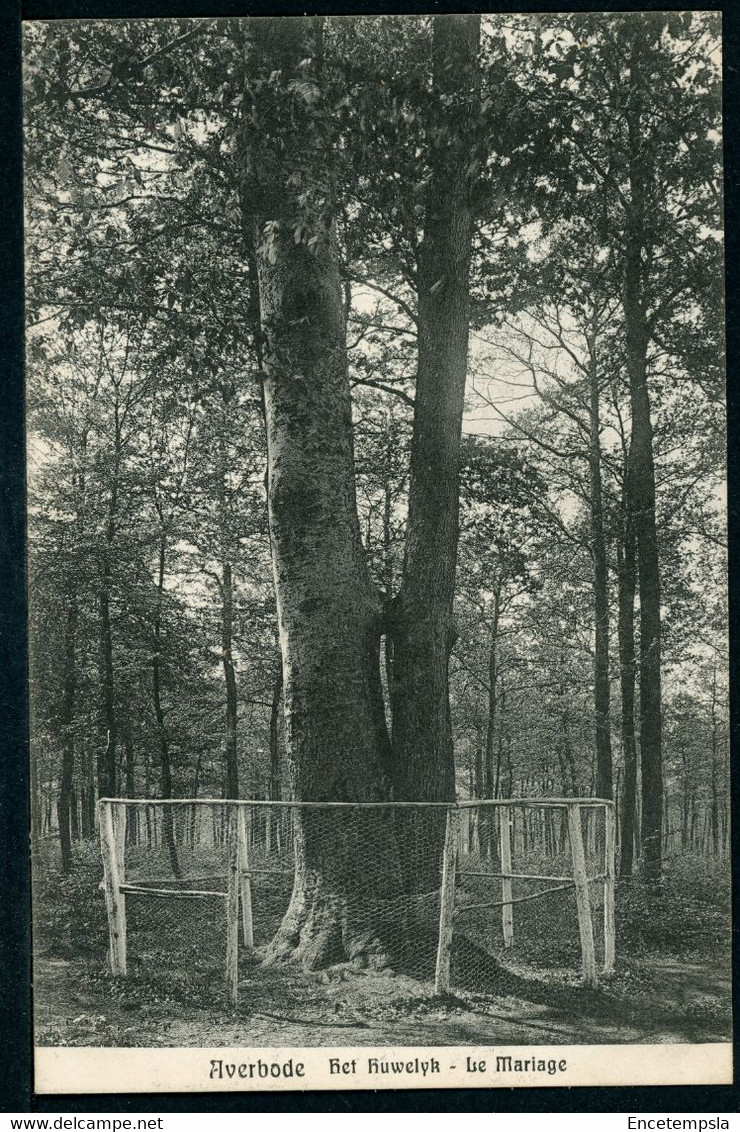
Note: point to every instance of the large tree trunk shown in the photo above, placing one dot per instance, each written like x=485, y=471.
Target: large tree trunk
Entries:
x=69, y=690
x=627, y=570
x=329, y=614
x=423, y=629
x=642, y=468
x=604, y=785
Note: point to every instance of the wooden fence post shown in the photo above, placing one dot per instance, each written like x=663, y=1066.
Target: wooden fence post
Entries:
x=245, y=881
x=610, y=842
x=114, y=899
x=447, y=903
x=583, y=902
x=232, y=909
x=463, y=835
x=120, y=815
x=507, y=909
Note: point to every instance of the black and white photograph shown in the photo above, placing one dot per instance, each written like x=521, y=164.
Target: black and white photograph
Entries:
x=377, y=552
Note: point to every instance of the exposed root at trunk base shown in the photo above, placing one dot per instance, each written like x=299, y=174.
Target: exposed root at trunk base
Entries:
x=321, y=929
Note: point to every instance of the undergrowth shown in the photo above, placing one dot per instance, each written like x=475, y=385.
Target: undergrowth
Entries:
x=176, y=948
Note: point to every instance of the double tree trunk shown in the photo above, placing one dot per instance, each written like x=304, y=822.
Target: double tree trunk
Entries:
x=642, y=473
x=330, y=616
x=422, y=626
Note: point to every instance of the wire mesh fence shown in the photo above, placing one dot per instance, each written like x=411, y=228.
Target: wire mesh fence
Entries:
x=436, y=891
x=521, y=889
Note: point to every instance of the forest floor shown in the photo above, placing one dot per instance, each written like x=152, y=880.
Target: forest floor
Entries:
x=672, y=982
x=653, y=1001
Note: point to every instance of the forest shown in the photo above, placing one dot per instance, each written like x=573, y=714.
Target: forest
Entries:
x=375, y=400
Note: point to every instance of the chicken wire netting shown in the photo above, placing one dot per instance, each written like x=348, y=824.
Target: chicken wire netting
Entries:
x=531, y=919
x=364, y=882
x=170, y=851
x=320, y=885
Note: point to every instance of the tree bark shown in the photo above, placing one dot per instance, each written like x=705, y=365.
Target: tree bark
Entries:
x=564, y=742
x=627, y=569
x=643, y=488
x=492, y=770
x=329, y=614
x=87, y=793
x=69, y=691
x=388, y=547
x=275, y=786
x=132, y=822
x=604, y=784
x=36, y=814
x=165, y=765
x=74, y=816
x=686, y=805
x=227, y=621
x=492, y=679
x=713, y=770
x=422, y=628
x=107, y=760
x=227, y=607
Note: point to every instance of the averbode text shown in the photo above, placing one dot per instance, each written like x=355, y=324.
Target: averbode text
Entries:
x=247, y=1070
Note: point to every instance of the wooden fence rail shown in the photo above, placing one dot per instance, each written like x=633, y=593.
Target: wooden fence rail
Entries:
x=238, y=894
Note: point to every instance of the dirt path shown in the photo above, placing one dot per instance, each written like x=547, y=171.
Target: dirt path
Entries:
x=653, y=1001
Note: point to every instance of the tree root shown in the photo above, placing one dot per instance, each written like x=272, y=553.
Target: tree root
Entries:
x=320, y=930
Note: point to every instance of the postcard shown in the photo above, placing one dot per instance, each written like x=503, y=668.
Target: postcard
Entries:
x=377, y=552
